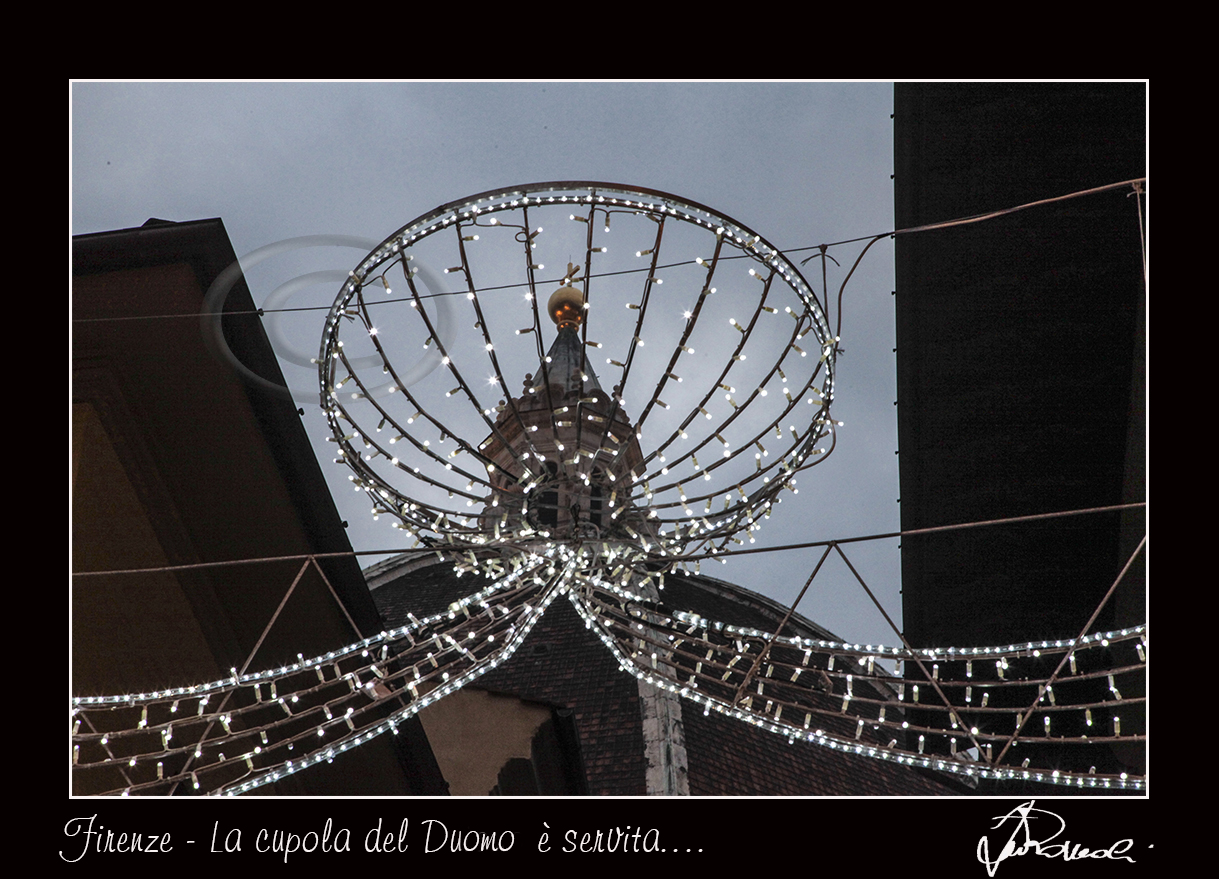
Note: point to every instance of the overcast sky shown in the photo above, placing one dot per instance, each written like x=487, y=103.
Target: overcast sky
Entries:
x=799, y=163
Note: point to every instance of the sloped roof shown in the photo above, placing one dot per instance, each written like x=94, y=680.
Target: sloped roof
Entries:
x=179, y=462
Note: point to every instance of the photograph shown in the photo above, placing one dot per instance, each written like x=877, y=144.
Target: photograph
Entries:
x=590, y=443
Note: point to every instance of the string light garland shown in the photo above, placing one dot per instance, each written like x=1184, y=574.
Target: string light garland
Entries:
x=690, y=473
x=335, y=700
x=829, y=693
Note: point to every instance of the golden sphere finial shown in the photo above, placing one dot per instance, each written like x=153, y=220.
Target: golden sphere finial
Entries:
x=566, y=307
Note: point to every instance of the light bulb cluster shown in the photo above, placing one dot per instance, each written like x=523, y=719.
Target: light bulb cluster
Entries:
x=443, y=495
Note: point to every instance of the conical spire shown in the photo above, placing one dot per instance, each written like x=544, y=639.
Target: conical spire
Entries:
x=566, y=367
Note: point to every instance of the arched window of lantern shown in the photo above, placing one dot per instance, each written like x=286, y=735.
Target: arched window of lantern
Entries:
x=595, y=497
x=548, y=502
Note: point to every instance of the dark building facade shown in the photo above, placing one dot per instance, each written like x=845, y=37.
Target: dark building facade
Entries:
x=179, y=464
x=1020, y=363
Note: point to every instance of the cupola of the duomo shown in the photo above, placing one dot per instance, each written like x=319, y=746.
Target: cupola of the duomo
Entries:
x=564, y=454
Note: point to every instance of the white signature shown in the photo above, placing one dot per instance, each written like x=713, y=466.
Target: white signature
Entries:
x=1021, y=841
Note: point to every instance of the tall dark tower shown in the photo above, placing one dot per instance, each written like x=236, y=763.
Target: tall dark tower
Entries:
x=1020, y=362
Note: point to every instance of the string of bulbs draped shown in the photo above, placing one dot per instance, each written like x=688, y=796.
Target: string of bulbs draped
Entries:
x=237, y=734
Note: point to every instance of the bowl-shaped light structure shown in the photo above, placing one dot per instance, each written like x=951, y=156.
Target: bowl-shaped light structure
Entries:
x=699, y=388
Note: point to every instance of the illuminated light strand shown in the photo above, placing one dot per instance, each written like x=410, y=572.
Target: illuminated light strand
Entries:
x=270, y=776
x=867, y=653
x=690, y=621
x=821, y=737
x=848, y=678
x=356, y=679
